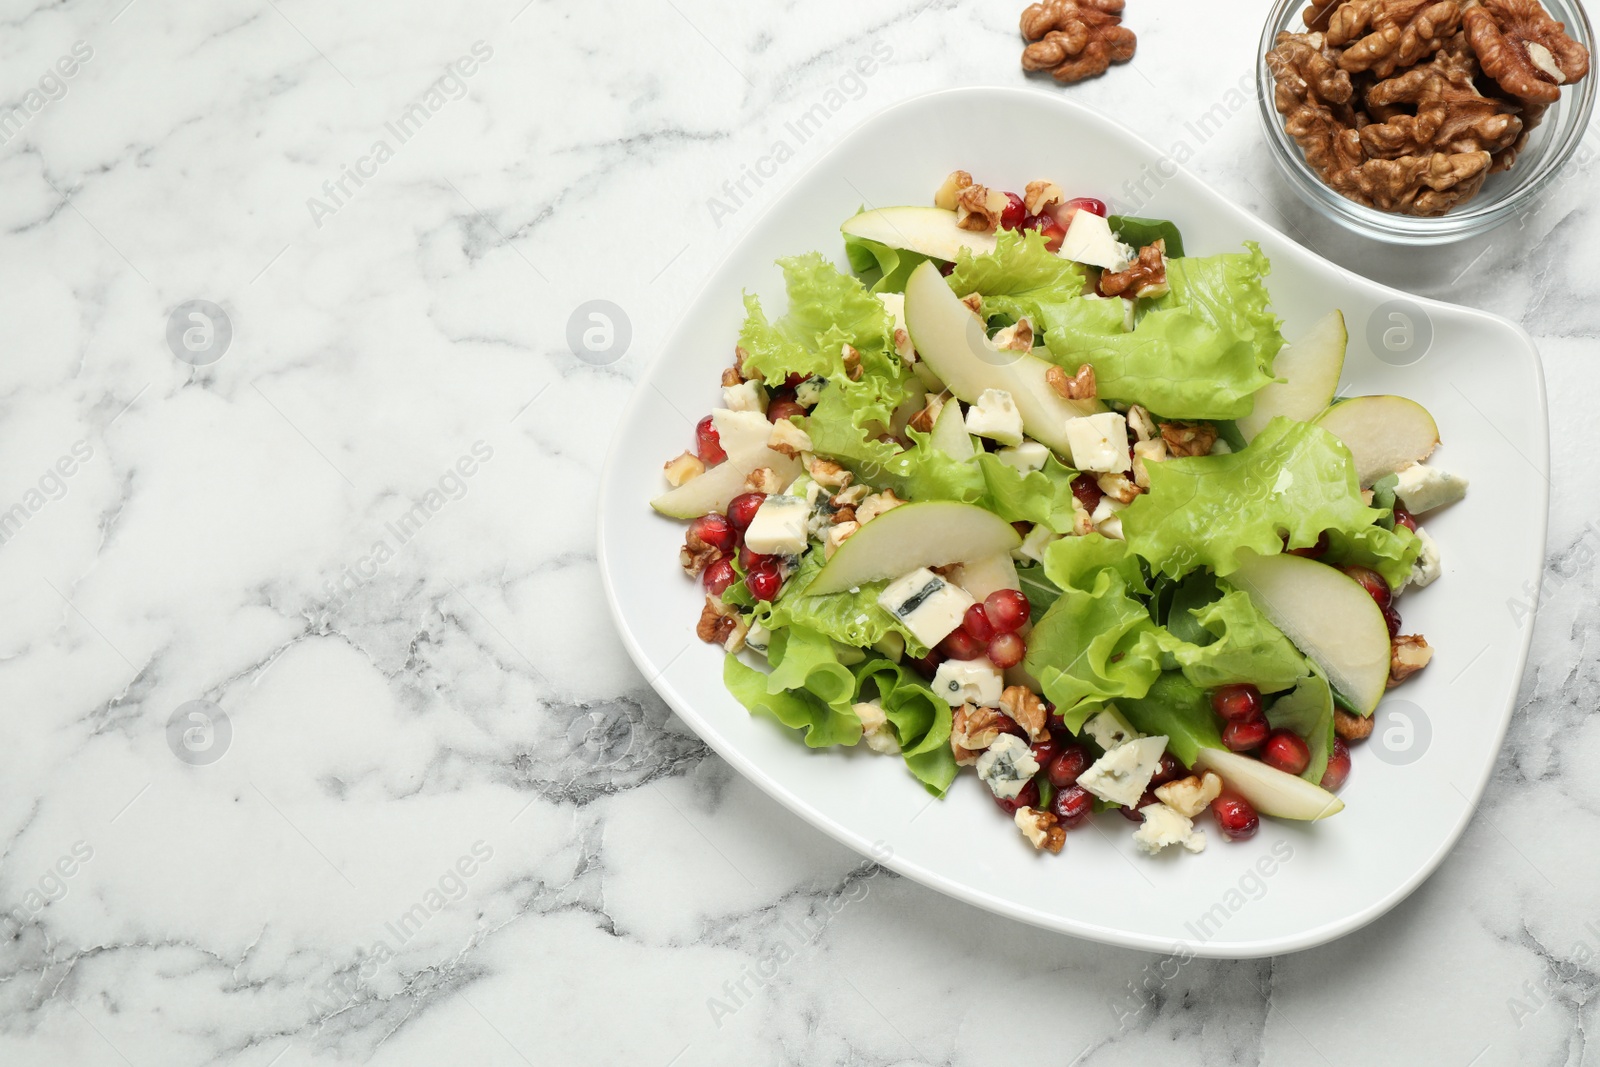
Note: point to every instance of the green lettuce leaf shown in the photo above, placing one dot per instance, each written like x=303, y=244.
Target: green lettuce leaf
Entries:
x=1138, y=232
x=1094, y=643
x=1180, y=711
x=1390, y=552
x=1308, y=711
x=827, y=309
x=800, y=709
x=1199, y=352
x=854, y=619
x=1042, y=496
x=921, y=720
x=1017, y=277
x=1243, y=647
x=1200, y=511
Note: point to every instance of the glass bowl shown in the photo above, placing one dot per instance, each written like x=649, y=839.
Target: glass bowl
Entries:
x=1503, y=196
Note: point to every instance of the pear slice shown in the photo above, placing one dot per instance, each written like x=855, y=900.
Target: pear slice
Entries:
x=930, y=231
x=950, y=432
x=1385, y=434
x=1328, y=616
x=1311, y=366
x=951, y=340
x=713, y=490
x=1269, y=790
x=932, y=533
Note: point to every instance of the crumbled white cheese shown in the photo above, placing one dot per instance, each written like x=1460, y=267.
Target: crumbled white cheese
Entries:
x=1123, y=774
x=969, y=681
x=927, y=605
x=779, y=526
x=1426, y=568
x=1108, y=729
x=1162, y=827
x=1028, y=456
x=1006, y=765
x=1090, y=240
x=746, y=396
x=1032, y=548
x=740, y=431
x=1099, y=442
x=1423, y=488
x=875, y=728
x=996, y=417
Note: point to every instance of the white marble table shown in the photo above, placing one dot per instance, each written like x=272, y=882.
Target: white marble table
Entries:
x=365, y=533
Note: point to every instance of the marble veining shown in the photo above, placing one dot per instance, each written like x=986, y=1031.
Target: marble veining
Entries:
x=452, y=823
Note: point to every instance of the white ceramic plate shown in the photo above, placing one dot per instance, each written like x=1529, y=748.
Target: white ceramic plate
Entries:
x=1415, y=783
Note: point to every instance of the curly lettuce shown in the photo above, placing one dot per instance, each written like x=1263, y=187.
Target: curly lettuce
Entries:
x=1241, y=645
x=1294, y=478
x=1018, y=277
x=851, y=618
x=1041, y=496
x=920, y=719
x=1199, y=352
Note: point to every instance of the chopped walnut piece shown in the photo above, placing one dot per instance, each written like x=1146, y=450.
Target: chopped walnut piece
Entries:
x=837, y=535
x=1408, y=654
x=1313, y=95
x=849, y=498
x=1142, y=425
x=903, y=346
x=950, y=191
x=973, y=729
x=844, y=514
x=826, y=472
x=1079, y=386
x=1351, y=727
x=1082, y=521
x=1041, y=828
x=1118, y=487
x=762, y=480
x=1040, y=195
x=1027, y=709
x=1436, y=110
x=876, y=504
x=974, y=302
x=1416, y=185
x=1145, y=277
x=739, y=356
x=683, y=468
x=1075, y=39
x=718, y=621
x=1317, y=14
x=923, y=420
x=788, y=438
x=1018, y=337
x=979, y=208
x=852, y=361
x=1384, y=35
x=1146, y=452
x=1188, y=438
x=696, y=554
x=730, y=376
x=1525, y=51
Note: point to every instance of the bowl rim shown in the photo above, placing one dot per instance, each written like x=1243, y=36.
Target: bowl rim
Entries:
x=1459, y=224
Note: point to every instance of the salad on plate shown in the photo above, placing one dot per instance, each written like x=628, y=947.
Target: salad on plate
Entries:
x=1029, y=490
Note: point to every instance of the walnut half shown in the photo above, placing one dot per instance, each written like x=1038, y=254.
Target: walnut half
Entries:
x=1408, y=654
x=1524, y=50
x=1075, y=39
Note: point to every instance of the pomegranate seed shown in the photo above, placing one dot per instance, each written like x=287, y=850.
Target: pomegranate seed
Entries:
x=1235, y=817
x=717, y=576
x=1044, y=752
x=1080, y=203
x=1027, y=798
x=1007, y=650
x=1243, y=736
x=1072, y=805
x=1169, y=771
x=1006, y=610
x=715, y=531
x=1391, y=619
x=976, y=623
x=962, y=645
x=793, y=380
x=1402, y=517
x=1316, y=551
x=764, y=581
x=1052, y=231
x=1333, y=778
x=1070, y=762
x=1237, y=703
x=742, y=509
x=708, y=443
x=1053, y=720
x=1011, y=218
x=928, y=665
x=1287, y=751
x=1371, y=581
x=947, y=269
x=1087, y=490
x=779, y=410
x=1007, y=725
x=1132, y=814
